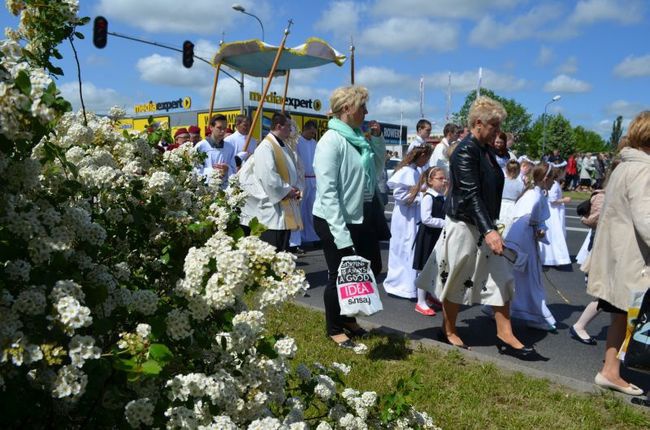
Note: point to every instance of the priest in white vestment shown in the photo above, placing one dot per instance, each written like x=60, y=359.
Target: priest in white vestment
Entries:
x=273, y=184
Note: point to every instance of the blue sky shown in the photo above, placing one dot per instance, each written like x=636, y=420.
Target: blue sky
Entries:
x=594, y=53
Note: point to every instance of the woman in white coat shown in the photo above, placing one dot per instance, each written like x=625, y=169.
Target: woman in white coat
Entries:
x=619, y=262
x=400, y=279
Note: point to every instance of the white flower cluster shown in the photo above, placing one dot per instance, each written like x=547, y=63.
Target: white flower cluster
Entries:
x=116, y=112
x=139, y=412
x=286, y=347
x=31, y=301
x=82, y=348
x=70, y=382
x=178, y=324
x=72, y=314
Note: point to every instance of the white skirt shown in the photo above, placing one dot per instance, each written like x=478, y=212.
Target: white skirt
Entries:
x=463, y=269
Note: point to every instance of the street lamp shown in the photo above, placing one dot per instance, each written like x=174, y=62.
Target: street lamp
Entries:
x=240, y=8
x=554, y=99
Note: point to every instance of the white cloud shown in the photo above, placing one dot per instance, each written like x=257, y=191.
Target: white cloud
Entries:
x=545, y=56
x=204, y=16
x=341, y=18
x=389, y=108
x=569, y=67
x=566, y=84
x=162, y=70
x=418, y=35
x=373, y=77
x=467, y=81
x=491, y=34
x=95, y=99
x=97, y=60
x=440, y=8
x=622, y=12
x=633, y=67
x=625, y=108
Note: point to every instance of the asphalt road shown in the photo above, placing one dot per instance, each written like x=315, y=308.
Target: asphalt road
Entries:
x=564, y=359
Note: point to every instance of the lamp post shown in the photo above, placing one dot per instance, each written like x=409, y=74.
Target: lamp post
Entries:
x=554, y=99
x=240, y=8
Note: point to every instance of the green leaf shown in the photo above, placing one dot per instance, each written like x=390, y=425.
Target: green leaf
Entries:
x=160, y=352
x=237, y=233
x=165, y=258
x=265, y=347
x=23, y=83
x=127, y=365
x=151, y=367
x=79, y=35
x=256, y=227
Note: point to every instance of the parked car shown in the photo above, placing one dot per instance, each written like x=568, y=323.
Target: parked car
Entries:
x=391, y=164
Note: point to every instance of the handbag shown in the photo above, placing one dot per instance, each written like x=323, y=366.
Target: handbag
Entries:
x=584, y=208
x=356, y=287
x=637, y=355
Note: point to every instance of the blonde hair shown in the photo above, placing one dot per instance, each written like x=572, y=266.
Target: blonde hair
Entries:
x=485, y=109
x=638, y=133
x=352, y=96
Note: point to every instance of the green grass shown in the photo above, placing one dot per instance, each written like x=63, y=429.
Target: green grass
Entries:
x=459, y=393
x=577, y=195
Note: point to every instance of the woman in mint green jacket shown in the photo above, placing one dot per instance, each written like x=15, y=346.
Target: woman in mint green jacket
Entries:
x=346, y=166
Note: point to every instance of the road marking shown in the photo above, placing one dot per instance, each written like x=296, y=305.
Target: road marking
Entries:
x=578, y=229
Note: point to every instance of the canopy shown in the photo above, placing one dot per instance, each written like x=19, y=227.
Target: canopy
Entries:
x=255, y=58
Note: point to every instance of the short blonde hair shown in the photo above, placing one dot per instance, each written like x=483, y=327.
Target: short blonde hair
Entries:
x=638, y=133
x=485, y=109
x=352, y=96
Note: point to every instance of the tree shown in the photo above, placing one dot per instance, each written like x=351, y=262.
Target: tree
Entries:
x=588, y=141
x=617, y=131
x=517, y=122
x=559, y=135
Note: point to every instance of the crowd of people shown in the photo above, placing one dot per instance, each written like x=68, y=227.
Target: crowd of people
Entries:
x=472, y=223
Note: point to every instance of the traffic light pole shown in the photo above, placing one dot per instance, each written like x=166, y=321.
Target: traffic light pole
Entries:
x=160, y=45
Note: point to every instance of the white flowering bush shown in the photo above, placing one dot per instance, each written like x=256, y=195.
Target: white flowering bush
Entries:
x=128, y=295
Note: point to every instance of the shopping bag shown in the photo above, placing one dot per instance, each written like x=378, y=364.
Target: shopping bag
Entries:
x=637, y=354
x=356, y=287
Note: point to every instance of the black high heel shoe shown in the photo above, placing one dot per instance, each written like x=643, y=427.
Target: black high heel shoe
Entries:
x=520, y=353
x=442, y=337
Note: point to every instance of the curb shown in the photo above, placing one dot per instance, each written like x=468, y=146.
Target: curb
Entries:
x=569, y=383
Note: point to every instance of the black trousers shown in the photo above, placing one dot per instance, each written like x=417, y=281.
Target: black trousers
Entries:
x=277, y=238
x=363, y=243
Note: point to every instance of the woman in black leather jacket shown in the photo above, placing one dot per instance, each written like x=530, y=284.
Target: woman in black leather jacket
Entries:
x=466, y=265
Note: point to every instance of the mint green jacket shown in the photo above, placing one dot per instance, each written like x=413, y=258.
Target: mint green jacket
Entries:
x=340, y=183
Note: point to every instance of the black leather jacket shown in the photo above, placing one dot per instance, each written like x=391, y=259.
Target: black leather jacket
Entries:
x=476, y=184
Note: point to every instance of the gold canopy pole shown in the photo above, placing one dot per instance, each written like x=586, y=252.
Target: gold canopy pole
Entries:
x=214, y=90
x=266, y=87
x=286, y=87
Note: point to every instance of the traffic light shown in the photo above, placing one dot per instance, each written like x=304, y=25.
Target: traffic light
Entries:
x=100, y=32
x=188, y=54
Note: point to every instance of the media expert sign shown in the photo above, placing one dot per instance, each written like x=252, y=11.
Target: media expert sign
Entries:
x=185, y=103
x=274, y=98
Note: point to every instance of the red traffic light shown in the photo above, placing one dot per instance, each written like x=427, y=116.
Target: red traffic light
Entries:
x=100, y=32
x=188, y=54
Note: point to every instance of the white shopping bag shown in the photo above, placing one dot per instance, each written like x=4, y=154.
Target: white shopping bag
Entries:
x=357, y=288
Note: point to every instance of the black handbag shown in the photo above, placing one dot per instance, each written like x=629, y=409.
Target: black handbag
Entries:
x=584, y=208
x=637, y=356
